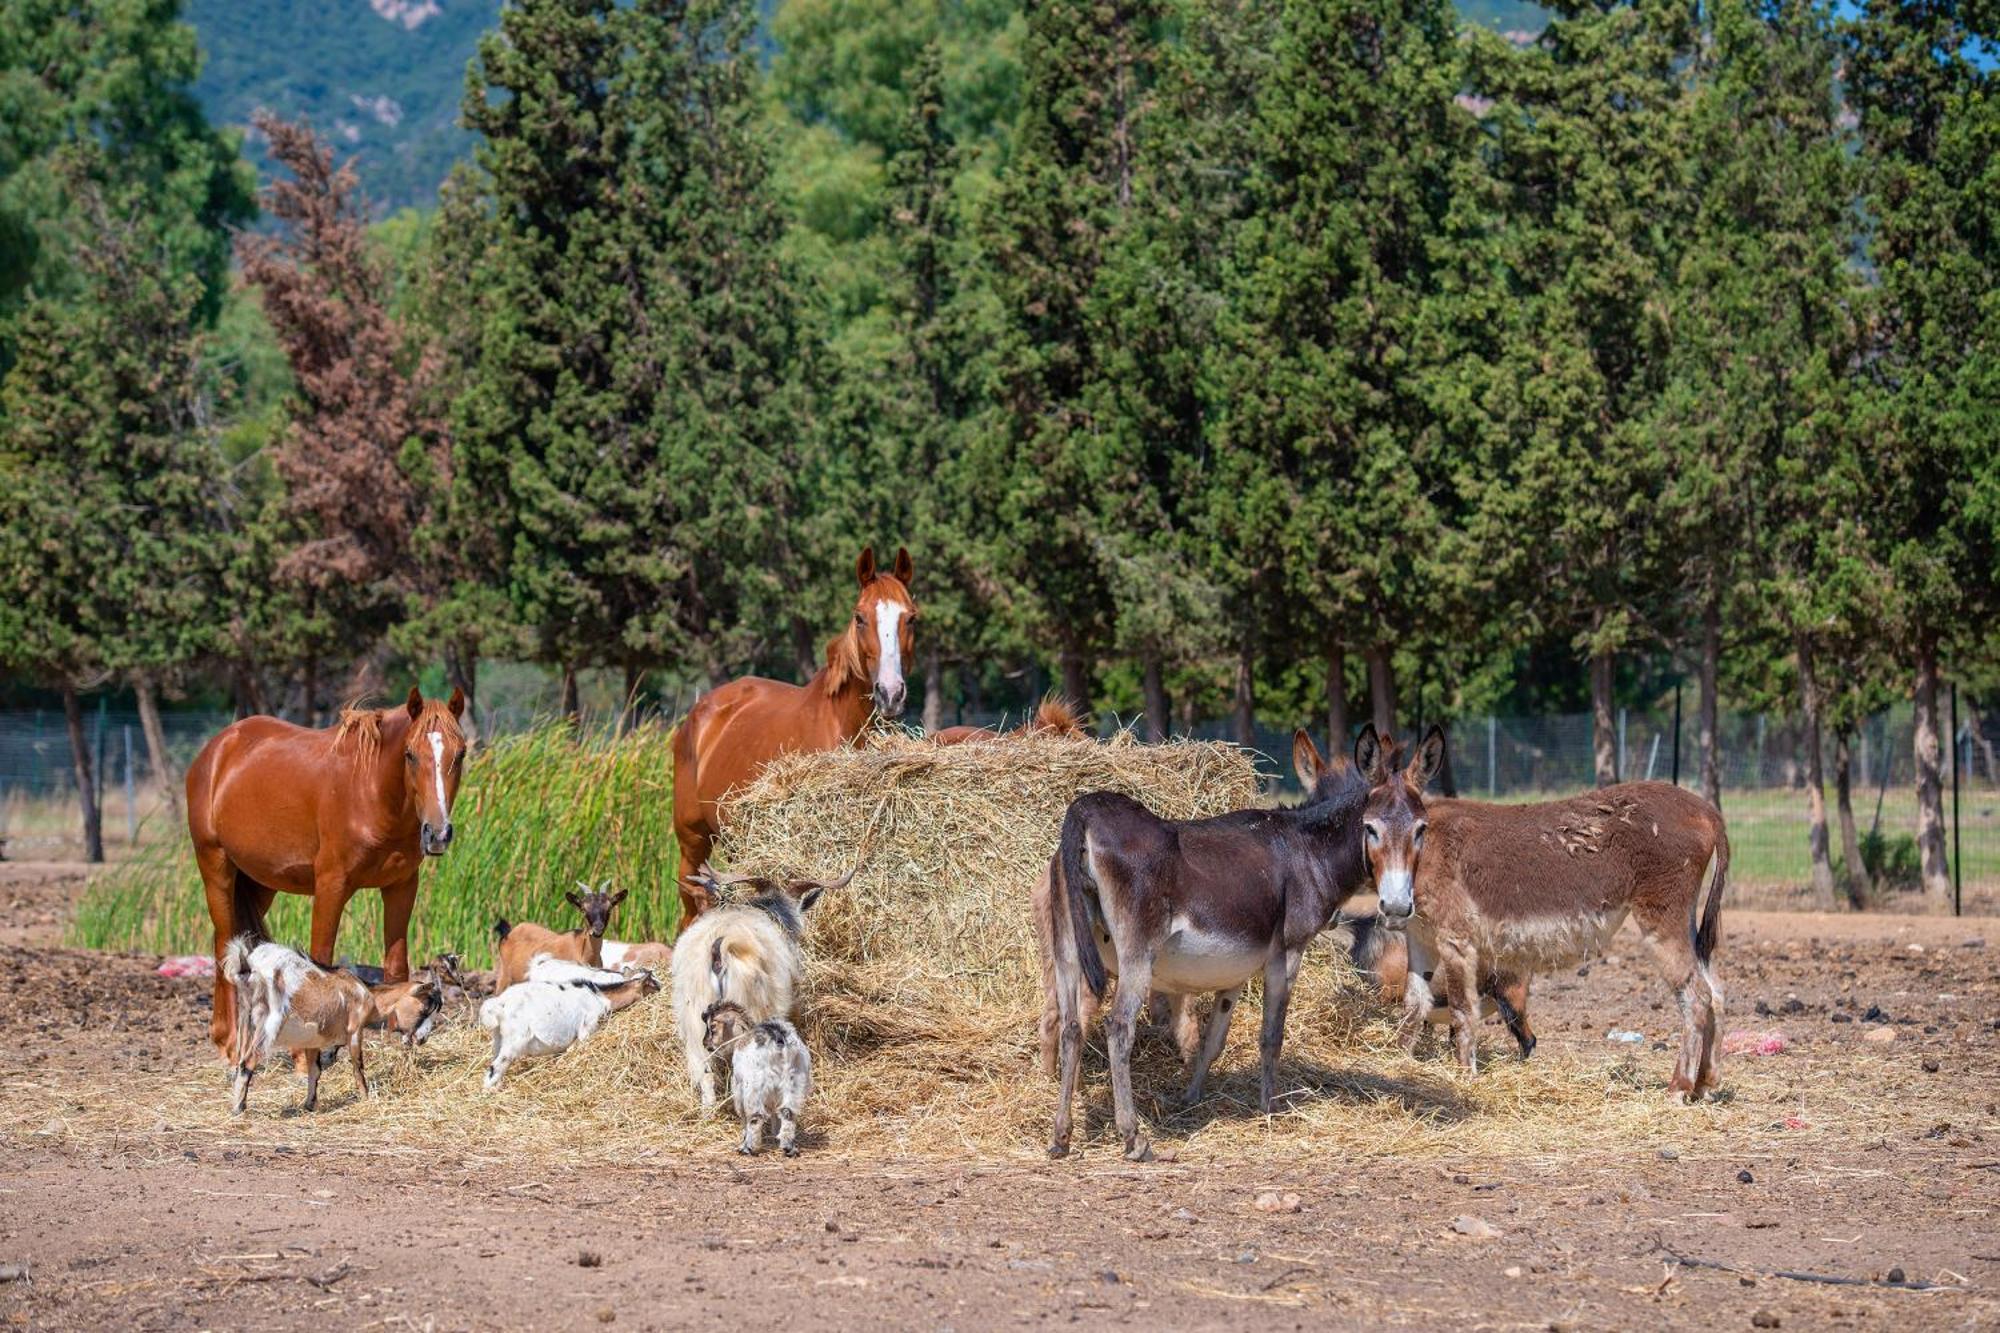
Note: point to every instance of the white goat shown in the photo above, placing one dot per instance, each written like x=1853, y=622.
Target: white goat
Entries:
x=746, y=953
x=560, y=1004
x=284, y=999
x=770, y=1072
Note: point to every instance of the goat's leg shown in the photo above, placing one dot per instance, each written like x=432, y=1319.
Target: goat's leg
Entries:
x=753, y=1134
x=1417, y=997
x=788, y=1130
x=496, y=1068
x=1211, y=1042
x=312, y=1085
x=1134, y=983
x=1279, y=973
x=360, y=1071
x=245, y=1068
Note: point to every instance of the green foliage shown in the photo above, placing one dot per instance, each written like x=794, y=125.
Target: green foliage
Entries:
x=536, y=813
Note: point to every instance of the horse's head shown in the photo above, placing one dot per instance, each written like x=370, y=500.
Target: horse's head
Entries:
x=1393, y=821
x=595, y=905
x=433, y=761
x=883, y=615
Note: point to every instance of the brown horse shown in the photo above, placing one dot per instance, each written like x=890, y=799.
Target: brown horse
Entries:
x=1518, y=889
x=736, y=729
x=275, y=808
x=1053, y=718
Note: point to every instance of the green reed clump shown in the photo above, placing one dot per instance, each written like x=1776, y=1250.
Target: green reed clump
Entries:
x=538, y=812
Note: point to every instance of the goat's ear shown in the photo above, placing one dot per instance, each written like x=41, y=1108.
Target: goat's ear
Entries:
x=619, y=897
x=810, y=897
x=573, y=901
x=1306, y=760
x=415, y=703
x=1429, y=760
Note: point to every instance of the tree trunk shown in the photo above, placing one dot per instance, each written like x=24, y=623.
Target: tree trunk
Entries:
x=1975, y=723
x=566, y=706
x=461, y=668
x=1336, y=700
x=804, y=651
x=1711, y=668
x=1816, y=834
x=1382, y=690
x=86, y=784
x=1159, y=711
x=1447, y=781
x=1076, y=682
x=309, y=702
x=156, y=743
x=1246, y=692
x=1603, y=726
x=1850, y=840
x=1930, y=785
x=933, y=690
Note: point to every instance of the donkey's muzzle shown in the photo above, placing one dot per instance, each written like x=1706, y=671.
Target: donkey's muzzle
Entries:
x=434, y=840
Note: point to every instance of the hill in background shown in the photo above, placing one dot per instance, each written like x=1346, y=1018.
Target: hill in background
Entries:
x=383, y=78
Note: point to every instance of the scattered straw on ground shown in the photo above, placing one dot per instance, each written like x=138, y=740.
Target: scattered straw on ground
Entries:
x=922, y=1015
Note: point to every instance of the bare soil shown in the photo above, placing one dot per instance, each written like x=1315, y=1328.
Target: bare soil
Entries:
x=175, y=1230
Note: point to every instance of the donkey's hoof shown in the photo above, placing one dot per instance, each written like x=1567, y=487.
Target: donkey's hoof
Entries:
x=1138, y=1150
x=791, y=1150
x=1060, y=1148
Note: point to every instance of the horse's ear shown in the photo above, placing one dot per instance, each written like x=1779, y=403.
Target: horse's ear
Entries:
x=415, y=703
x=1306, y=760
x=457, y=704
x=864, y=568
x=1429, y=759
x=1371, y=756
x=903, y=568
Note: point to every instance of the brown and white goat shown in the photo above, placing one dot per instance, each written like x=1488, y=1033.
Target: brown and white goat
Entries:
x=410, y=1008
x=286, y=1001
x=746, y=953
x=520, y=944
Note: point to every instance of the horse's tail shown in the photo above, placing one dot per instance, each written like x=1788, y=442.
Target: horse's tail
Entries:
x=1711, y=915
x=1077, y=879
x=501, y=928
x=249, y=912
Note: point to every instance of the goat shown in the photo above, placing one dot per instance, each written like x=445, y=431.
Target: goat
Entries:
x=1384, y=957
x=409, y=1007
x=284, y=999
x=649, y=955
x=539, y=1016
x=744, y=952
x=519, y=944
x=770, y=1072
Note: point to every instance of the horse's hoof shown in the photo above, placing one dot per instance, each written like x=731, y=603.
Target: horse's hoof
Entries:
x=747, y=1152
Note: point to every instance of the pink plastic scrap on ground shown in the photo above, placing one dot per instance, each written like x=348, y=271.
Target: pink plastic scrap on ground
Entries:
x=188, y=965
x=1754, y=1043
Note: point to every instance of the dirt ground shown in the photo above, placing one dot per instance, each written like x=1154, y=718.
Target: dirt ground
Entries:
x=175, y=1230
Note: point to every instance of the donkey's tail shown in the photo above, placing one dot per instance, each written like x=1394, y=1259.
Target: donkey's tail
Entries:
x=1711, y=914
x=1077, y=880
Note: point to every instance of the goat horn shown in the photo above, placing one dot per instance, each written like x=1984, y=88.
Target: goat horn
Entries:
x=709, y=878
x=840, y=883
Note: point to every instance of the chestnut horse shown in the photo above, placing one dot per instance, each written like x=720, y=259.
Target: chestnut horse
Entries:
x=275, y=808
x=737, y=728
x=1054, y=718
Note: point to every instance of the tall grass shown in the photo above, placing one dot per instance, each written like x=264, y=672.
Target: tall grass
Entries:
x=538, y=811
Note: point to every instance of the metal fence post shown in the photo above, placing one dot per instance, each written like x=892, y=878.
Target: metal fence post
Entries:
x=1677, y=733
x=103, y=715
x=1492, y=755
x=131, y=799
x=1957, y=866
x=1624, y=772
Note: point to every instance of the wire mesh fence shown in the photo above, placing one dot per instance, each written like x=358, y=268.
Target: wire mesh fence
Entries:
x=1762, y=766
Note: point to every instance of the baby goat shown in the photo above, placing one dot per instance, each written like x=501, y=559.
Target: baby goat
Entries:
x=410, y=1007
x=744, y=952
x=770, y=1072
x=283, y=999
x=559, y=1004
x=520, y=944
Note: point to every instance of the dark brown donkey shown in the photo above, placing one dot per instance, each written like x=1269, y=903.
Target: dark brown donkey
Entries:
x=1527, y=888
x=1184, y=906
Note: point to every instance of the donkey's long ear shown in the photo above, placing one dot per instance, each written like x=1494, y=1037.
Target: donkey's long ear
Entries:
x=864, y=568
x=1429, y=759
x=415, y=703
x=1306, y=760
x=1371, y=756
x=457, y=704
x=902, y=569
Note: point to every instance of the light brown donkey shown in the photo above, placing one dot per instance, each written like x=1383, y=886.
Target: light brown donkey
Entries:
x=1529, y=888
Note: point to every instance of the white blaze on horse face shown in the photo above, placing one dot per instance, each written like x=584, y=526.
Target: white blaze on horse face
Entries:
x=889, y=670
x=437, y=771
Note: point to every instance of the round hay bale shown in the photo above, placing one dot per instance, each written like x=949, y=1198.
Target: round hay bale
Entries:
x=949, y=840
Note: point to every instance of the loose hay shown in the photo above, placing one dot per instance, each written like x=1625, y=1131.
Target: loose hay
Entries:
x=921, y=1010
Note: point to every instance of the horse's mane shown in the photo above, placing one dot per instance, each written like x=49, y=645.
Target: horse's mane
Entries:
x=437, y=714
x=364, y=727
x=843, y=662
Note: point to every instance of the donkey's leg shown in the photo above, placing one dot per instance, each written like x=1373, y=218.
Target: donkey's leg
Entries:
x=1134, y=983
x=1211, y=1043
x=1705, y=1077
x=1674, y=953
x=1279, y=973
x=1458, y=963
x=1510, y=996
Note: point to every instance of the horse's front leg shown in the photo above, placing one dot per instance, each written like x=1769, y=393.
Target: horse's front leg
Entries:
x=398, y=901
x=1279, y=973
x=330, y=895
